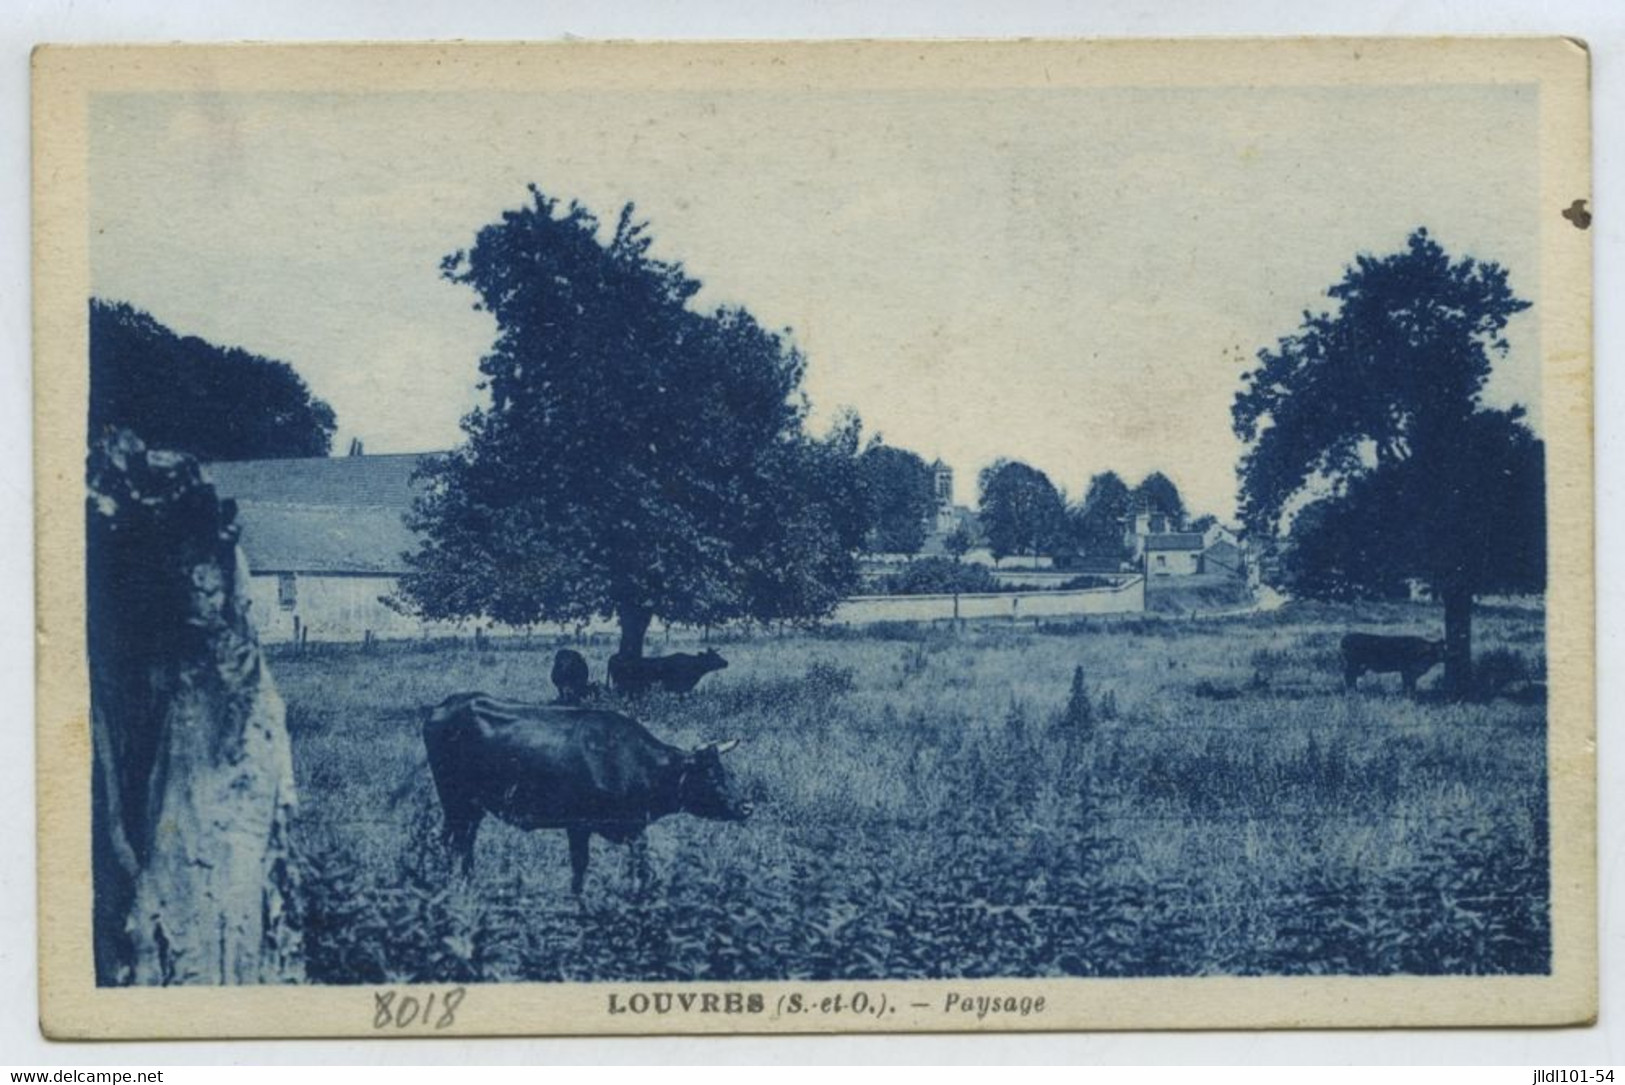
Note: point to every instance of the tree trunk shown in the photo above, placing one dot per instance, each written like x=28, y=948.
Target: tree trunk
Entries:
x=634, y=627
x=1458, y=640
x=195, y=881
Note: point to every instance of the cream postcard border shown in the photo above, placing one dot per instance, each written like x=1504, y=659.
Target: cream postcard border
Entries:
x=73, y=1007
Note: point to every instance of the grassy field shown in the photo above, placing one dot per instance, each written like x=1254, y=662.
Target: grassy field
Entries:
x=933, y=803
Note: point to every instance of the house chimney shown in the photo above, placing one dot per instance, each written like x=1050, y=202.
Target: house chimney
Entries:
x=355, y=446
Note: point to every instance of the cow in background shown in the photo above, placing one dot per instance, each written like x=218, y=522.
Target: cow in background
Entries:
x=1410, y=657
x=571, y=677
x=583, y=770
x=679, y=672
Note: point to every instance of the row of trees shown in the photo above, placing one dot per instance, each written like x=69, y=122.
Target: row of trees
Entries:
x=639, y=456
x=1023, y=513
x=643, y=457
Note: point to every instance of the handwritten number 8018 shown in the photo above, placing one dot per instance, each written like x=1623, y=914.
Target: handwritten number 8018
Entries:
x=436, y=1011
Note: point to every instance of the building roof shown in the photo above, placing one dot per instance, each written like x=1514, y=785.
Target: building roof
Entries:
x=324, y=539
x=1174, y=540
x=339, y=515
x=349, y=481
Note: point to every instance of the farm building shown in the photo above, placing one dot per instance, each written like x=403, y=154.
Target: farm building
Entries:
x=1224, y=557
x=1158, y=545
x=1173, y=553
x=325, y=541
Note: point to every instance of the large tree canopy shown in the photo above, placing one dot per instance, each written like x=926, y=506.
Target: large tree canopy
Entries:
x=1158, y=493
x=182, y=394
x=1098, y=520
x=1021, y=510
x=897, y=485
x=637, y=458
x=1371, y=449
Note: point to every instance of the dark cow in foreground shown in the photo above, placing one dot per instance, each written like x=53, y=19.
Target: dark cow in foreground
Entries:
x=1411, y=657
x=583, y=770
x=679, y=672
x=571, y=677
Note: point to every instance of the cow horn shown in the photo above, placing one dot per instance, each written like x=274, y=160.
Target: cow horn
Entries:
x=724, y=747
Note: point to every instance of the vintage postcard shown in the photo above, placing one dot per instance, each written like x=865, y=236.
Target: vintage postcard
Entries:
x=628, y=538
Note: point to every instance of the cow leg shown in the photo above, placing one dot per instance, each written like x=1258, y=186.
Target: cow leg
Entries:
x=1408, y=678
x=1351, y=677
x=580, y=852
x=462, y=826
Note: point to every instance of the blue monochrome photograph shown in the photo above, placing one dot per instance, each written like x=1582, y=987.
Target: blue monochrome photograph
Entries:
x=770, y=536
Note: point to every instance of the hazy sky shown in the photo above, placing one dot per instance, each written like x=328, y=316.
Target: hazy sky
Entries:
x=1077, y=277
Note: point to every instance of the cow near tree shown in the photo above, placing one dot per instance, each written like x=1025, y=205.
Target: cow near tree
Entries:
x=638, y=458
x=1372, y=449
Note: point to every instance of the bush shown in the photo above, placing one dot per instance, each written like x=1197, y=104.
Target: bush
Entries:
x=1078, y=717
x=1085, y=582
x=938, y=576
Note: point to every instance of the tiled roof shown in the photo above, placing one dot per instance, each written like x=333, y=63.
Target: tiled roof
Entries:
x=337, y=480
x=331, y=515
x=365, y=539
x=1174, y=540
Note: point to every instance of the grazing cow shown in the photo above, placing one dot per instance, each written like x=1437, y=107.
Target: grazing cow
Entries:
x=570, y=676
x=1411, y=657
x=679, y=672
x=583, y=770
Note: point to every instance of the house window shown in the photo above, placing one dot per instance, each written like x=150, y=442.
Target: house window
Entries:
x=287, y=591
x=1162, y=561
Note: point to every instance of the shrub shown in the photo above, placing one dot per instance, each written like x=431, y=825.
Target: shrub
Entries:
x=1084, y=583
x=939, y=576
x=1078, y=717
x=825, y=679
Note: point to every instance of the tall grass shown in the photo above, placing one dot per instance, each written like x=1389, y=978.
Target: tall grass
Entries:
x=931, y=803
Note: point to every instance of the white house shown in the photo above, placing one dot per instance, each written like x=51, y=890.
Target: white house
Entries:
x=1157, y=543
x=1173, y=553
x=325, y=541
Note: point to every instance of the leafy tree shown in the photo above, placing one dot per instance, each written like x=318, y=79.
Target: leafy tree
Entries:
x=1202, y=522
x=1098, y=520
x=182, y=394
x=1371, y=449
x=959, y=542
x=637, y=458
x=898, y=486
x=1158, y=492
x=1021, y=510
